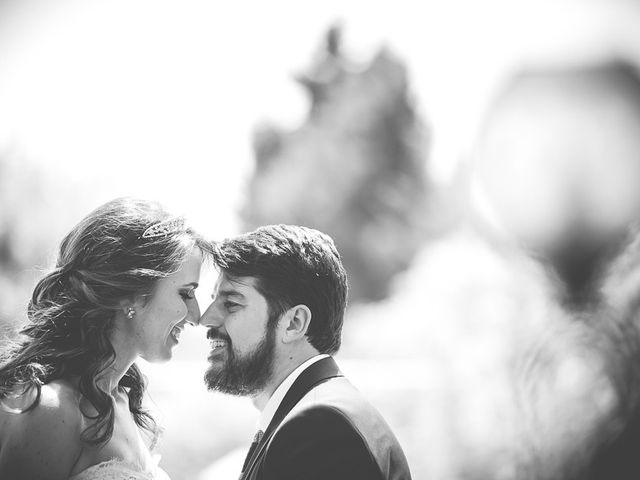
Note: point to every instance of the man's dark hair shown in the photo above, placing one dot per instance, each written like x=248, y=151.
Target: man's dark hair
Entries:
x=292, y=265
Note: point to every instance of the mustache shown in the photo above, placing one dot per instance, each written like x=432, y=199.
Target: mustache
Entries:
x=215, y=334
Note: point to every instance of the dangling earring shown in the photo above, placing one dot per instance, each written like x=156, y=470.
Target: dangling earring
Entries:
x=130, y=313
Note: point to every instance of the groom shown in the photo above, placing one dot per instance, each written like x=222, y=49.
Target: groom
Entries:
x=275, y=321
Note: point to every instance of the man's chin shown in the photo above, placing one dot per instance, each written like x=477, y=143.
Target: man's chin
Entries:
x=216, y=385
x=221, y=381
x=216, y=380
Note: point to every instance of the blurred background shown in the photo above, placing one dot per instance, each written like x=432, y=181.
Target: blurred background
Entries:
x=476, y=162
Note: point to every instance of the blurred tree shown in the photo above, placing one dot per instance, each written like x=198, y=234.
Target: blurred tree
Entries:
x=35, y=209
x=19, y=246
x=557, y=163
x=356, y=169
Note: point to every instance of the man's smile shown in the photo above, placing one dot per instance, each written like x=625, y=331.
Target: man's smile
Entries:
x=217, y=344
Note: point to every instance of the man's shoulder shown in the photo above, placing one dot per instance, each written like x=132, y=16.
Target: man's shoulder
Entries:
x=336, y=411
x=339, y=395
x=320, y=418
x=318, y=442
x=336, y=403
x=329, y=411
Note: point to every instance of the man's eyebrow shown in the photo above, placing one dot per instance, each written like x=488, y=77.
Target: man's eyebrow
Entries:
x=192, y=284
x=228, y=293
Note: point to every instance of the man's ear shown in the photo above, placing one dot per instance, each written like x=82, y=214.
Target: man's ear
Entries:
x=296, y=322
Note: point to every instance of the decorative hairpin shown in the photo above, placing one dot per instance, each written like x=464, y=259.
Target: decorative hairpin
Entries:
x=164, y=228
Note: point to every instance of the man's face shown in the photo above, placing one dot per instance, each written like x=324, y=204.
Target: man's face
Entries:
x=242, y=344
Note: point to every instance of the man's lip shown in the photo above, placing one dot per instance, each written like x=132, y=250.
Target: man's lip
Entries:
x=215, y=335
x=215, y=353
x=212, y=337
x=220, y=344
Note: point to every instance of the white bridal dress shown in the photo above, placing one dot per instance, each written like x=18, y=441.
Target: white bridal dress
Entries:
x=120, y=470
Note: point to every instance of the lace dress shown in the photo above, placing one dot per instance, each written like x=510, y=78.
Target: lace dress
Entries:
x=119, y=470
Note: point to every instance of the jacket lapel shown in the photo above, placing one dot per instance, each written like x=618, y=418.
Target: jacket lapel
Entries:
x=317, y=373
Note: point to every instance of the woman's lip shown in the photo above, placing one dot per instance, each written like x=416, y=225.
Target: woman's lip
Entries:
x=178, y=328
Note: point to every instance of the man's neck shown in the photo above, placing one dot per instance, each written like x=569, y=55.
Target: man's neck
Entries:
x=283, y=368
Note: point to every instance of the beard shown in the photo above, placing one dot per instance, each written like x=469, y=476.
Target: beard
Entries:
x=243, y=375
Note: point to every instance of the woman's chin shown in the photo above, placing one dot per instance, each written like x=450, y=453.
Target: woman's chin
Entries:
x=159, y=357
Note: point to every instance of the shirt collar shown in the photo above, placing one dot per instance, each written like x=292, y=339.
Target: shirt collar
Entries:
x=276, y=399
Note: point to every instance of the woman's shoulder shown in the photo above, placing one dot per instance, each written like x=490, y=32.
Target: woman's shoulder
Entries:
x=59, y=398
x=50, y=425
x=58, y=411
x=62, y=392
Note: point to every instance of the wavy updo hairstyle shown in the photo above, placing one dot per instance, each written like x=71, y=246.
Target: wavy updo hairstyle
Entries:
x=104, y=260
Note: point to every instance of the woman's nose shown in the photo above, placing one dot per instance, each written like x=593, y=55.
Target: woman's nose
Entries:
x=193, y=316
x=211, y=317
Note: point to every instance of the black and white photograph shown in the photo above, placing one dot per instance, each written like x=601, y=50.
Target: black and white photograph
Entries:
x=338, y=240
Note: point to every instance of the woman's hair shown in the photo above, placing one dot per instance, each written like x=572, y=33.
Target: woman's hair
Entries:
x=110, y=256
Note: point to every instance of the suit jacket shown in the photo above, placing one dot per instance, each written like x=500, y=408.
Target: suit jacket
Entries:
x=325, y=429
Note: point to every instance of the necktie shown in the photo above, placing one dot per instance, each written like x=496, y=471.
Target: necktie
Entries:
x=252, y=448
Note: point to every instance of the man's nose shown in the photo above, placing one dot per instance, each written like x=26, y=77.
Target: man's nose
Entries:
x=211, y=317
x=193, y=313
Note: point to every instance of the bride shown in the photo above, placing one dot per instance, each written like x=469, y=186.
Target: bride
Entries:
x=70, y=392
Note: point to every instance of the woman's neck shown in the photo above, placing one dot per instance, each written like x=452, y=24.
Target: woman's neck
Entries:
x=125, y=356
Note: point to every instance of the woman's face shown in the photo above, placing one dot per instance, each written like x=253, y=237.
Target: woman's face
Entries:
x=159, y=321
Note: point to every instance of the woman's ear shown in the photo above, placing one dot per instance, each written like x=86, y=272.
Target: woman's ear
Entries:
x=296, y=322
x=128, y=308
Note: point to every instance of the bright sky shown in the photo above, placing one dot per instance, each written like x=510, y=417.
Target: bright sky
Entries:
x=161, y=95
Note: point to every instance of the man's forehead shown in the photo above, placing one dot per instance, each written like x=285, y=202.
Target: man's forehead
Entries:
x=227, y=284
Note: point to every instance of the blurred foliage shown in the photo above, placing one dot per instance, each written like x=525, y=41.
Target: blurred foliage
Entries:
x=356, y=169
x=36, y=209
x=23, y=226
